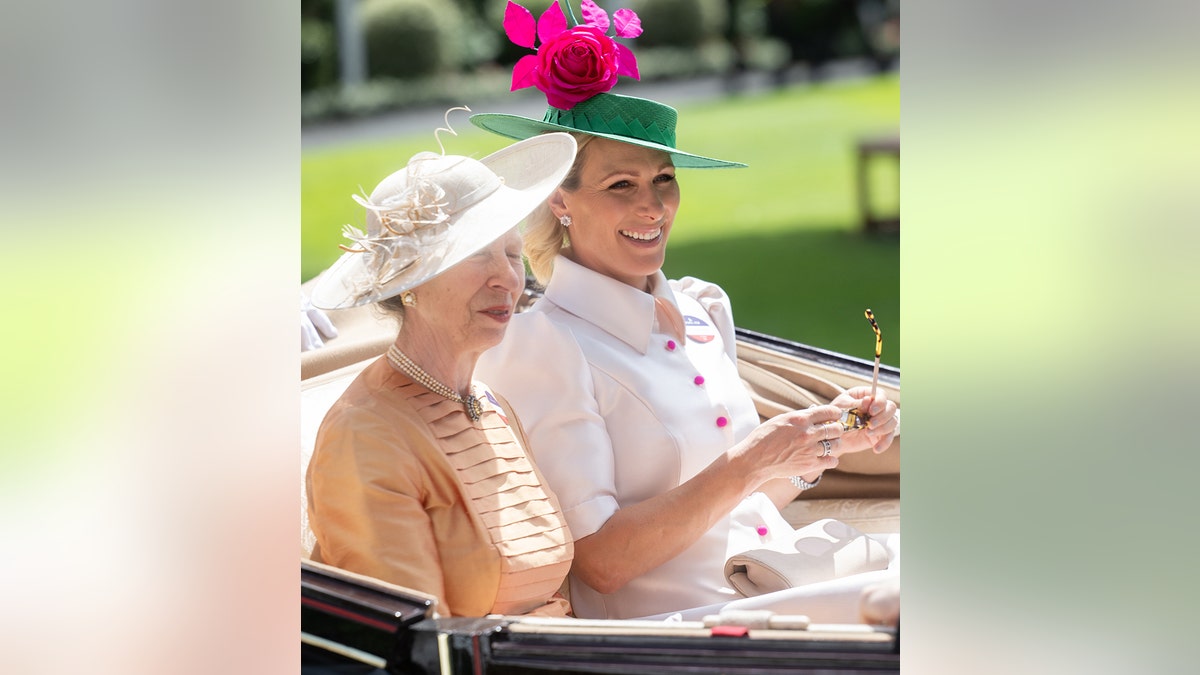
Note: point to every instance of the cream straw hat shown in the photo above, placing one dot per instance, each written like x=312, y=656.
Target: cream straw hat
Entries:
x=439, y=209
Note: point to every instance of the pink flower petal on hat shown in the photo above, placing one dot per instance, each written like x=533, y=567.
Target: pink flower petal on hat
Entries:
x=627, y=22
x=627, y=62
x=519, y=25
x=593, y=15
x=563, y=100
x=524, y=71
x=551, y=22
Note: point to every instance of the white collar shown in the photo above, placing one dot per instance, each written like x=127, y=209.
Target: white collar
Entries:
x=613, y=306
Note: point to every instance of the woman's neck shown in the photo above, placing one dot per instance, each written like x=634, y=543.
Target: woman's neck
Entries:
x=440, y=359
x=640, y=283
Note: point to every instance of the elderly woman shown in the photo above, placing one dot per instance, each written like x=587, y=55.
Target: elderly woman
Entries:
x=420, y=475
x=628, y=383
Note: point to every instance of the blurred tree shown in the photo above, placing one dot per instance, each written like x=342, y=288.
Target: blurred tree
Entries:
x=680, y=23
x=318, y=55
x=318, y=45
x=411, y=38
x=483, y=31
x=317, y=9
x=819, y=31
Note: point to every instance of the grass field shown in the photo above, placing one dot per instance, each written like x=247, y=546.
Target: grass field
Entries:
x=782, y=237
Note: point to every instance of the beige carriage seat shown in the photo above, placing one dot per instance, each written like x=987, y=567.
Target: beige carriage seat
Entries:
x=864, y=490
x=317, y=395
x=363, y=335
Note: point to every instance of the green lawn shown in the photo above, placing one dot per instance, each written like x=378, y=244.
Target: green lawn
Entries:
x=781, y=237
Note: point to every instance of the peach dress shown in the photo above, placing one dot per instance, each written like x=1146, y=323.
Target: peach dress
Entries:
x=405, y=487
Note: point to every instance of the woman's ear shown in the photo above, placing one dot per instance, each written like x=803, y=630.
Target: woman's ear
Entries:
x=557, y=202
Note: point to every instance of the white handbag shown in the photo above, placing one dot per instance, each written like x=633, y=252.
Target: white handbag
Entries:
x=824, y=550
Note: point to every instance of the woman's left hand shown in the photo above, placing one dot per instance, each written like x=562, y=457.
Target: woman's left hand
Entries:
x=883, y=420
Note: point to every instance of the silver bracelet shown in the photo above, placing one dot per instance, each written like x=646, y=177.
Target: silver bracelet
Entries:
x=803, y=485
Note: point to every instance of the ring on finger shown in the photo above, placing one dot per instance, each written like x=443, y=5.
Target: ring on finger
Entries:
x=826, y=448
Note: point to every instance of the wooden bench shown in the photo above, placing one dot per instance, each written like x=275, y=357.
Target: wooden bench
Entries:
x=868, y=149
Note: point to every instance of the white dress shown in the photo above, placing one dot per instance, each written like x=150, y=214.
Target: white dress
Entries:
x=618, y=411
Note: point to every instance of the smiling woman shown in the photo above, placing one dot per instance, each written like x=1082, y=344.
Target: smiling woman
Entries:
x=628, y=384
x=642, y=425
x=628, y=198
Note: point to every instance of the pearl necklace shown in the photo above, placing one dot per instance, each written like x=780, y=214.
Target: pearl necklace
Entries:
x=405, y=365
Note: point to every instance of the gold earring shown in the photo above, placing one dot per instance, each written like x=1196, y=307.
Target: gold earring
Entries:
x=408, y=299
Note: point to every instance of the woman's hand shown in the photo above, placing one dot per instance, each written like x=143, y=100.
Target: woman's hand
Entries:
x=883, y=420
x=796, y=443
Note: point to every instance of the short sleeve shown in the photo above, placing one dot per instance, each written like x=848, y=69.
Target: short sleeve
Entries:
x=540, y=369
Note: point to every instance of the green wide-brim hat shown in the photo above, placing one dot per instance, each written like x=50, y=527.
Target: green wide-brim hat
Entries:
x=627, y=119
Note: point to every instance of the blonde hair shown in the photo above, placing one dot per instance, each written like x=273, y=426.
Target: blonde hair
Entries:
x=545, y=237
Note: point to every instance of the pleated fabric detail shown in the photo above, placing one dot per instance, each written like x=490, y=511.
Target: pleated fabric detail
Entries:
x=500, y=483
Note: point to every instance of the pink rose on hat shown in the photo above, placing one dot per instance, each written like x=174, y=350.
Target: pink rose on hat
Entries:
x=572, y=64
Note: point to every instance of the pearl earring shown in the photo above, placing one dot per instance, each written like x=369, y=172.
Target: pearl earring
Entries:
x=408, y=299
x=565, y=220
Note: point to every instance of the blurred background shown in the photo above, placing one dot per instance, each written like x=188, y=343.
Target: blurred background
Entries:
x=358, y=57
x=804, y=91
